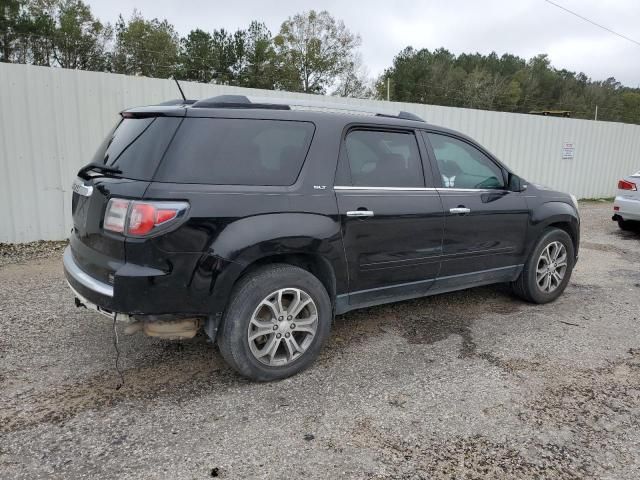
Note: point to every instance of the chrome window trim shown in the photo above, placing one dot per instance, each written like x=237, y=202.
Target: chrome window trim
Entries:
x=83, y=278
x=414, y=189
x=449, y=189
x=389, y=189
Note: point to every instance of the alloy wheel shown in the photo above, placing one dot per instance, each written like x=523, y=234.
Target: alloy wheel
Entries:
x=282, y=327
x=551, y=267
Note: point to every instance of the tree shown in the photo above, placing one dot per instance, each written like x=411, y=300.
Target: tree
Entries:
x=228, y=52
x=505, y=83
x=354, y=81
x=12, y=27
x=145, y=47
x=258, y=66
x=313, y=49
x=196, y=57
x=631, y=107
x=79, y=40
x=481, y=89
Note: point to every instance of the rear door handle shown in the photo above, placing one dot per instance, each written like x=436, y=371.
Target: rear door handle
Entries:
x=360, y=213
x=460, y=210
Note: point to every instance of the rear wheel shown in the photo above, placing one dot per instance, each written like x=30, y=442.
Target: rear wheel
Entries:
x=547, y=271
x=628, y=225
x=278, y=318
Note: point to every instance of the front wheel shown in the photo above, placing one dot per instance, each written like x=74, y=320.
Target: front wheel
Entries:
x=278, y=318
x=547, y=271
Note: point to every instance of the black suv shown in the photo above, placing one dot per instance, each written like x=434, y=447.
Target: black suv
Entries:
x=260, y=222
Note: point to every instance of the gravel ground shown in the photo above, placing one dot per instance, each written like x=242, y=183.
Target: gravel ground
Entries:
x=464, y=385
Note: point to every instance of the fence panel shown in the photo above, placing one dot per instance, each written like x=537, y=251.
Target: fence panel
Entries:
x=51, y=121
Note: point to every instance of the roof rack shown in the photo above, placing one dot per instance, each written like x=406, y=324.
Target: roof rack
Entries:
x=236, y=101
x=242, y=101
x=404, y=115
x=177, y=101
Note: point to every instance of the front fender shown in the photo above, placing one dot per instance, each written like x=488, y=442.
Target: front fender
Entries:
x=555, y=212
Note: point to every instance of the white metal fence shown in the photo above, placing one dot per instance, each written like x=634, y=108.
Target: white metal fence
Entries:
x=51, y=121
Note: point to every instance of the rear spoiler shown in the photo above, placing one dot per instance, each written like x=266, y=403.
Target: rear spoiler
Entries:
x=165, y=109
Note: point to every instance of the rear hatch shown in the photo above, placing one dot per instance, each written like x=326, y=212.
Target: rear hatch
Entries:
x=122, y=167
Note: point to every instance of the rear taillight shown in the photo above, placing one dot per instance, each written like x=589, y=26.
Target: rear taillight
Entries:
x=138, y=219
x=626, y=185
x=116, y=215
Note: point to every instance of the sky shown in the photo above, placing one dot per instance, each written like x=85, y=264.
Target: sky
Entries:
x=522, y=27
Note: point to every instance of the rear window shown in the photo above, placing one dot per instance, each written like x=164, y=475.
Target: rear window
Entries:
x=136, y=145
x=224, y=151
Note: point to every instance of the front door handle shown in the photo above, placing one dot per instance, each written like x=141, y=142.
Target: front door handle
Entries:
x=460, y=210
x=360, y=213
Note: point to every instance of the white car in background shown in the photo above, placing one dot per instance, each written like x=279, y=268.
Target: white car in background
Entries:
x=626, y=206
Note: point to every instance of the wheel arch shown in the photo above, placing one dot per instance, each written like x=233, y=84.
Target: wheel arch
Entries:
x=570, y=229
x=315, y=264
x=559, y=215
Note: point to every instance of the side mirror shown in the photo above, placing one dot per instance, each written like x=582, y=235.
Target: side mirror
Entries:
x=516, y=184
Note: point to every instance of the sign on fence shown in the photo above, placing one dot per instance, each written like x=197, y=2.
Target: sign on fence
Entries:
x=568, y=150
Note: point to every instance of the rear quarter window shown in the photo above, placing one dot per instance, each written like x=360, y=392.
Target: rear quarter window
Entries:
x=222, y=151
x=136, y=146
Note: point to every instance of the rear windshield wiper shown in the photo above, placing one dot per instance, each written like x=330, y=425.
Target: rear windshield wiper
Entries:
x=100, y=167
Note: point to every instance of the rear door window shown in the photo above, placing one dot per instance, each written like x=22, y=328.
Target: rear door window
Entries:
x=384, y=159
x=223, y=151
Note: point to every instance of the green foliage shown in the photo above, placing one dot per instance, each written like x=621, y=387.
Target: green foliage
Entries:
x=196, y=57
x=507, y=83
x=258, y=67
x=313, y=52
x=631, y=107
x=354, y=81
x=79, y=40
x=145, y=47
x=12, y=28
x=206, y=57
x=60, y=33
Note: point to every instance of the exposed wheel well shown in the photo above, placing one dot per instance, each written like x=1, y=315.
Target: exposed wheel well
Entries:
x=314, y=264
x=567, y=227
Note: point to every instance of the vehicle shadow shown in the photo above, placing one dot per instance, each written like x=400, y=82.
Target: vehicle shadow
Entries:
x=426, y=320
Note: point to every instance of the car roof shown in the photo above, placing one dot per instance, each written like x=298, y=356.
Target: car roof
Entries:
x=237, y=106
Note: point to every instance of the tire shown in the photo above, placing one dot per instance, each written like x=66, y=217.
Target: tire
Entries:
x=629, y=226
x=255, y=307
x=527, y=286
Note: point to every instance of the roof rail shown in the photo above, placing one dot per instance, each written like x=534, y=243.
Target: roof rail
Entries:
x=236, y=101
x=177, y=101
x=242, y=101
x=403, y=115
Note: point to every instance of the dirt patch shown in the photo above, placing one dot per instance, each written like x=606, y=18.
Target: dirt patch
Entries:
x=472, y=457
x=594, y=402
x=633, y=275
x=23, y=252
x=605, y=247
x=180, y=375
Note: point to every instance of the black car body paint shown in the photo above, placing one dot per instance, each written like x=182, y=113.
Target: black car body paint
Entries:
x=412, y=246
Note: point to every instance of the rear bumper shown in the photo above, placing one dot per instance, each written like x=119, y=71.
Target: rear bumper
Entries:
x=79, y=277
x=628, y=208
x=88, y=291
x=196, y=285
